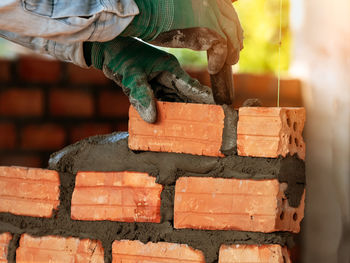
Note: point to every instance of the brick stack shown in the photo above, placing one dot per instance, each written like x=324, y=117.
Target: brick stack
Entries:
x=175, y=198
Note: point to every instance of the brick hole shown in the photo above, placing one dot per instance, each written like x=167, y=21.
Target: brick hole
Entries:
x=282, y=215
x=251, y=217
x=295, y=126
x=290, y=139
x=295, y=216
x=296, y=142
x=288, y=122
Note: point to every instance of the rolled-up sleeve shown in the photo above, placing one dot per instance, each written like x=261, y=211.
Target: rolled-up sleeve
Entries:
x=58, y=27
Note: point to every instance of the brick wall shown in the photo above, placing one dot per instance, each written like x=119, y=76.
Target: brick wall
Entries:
x=46, y=105
x=102, y=202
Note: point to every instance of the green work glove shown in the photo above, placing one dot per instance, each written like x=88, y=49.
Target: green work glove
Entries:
x=210, y=25
x=132, y=64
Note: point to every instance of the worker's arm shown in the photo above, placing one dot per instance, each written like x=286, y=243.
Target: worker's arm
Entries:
x=132, y=64
x=211, y=25
x=60, y=27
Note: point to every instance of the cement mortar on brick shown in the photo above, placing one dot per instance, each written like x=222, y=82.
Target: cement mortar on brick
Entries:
x=111, y=153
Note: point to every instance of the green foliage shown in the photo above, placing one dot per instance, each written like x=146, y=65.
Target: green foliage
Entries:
x=260, y=20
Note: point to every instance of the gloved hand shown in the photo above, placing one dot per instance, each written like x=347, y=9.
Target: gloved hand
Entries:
x=132, y=64
x=210, y=25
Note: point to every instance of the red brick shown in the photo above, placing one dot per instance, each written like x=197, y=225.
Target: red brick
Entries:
x=270, y=132
x=21, y=102
x=28, y=191
x=180, y=128
x=234, y=204
x=254, y=254
x=113, y=104
x=58, y=249
x=87, y=130
x=78, y=75
x=5, y=239
x=137, y=252
x=7, y=136
x=116, y=196
x=5, y=71
x=27, y=160
x=72, y=103
x=43, y=137
x=39, y=70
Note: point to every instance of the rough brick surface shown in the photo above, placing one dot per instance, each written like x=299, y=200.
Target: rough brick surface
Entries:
x=43, y=137
x=21, y=102
x=58, y=250
x=28, y=191
x=181, y=128
x=5, y=239
x=270, y=132
x=7, y=136
x=233, y=204
x=116, y=196
x=72, y=103
x=136, y=252
x=253, y=254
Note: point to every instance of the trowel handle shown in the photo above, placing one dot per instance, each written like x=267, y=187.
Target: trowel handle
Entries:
x=222, y=86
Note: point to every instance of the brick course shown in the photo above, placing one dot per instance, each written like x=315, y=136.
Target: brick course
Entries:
x=116, y=196
x=180, y=128
x=58, y=249
x=137, y=252
x=28, y=191
x=234, y=204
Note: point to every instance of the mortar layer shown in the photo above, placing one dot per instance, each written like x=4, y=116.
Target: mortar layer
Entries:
x=111, y=153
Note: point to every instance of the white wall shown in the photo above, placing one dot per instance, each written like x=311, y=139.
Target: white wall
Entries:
x=321, y=57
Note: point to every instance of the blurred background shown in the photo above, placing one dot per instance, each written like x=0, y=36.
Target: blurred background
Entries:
x=46, y=104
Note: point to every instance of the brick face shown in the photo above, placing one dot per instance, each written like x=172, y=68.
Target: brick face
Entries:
x=43, y=137
x=270, y=132
x=73, y=103
x=21, y=102
x=181, y=128
x=58, y=249
x=82, y=131
x=137, y=252
x=38, y=70
x=113, y=104
x=27, y=191
x=78, y=75
x=5, y=239
x=116, y=196
x=7, y=136
x=233, y=204
x=253, y=254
